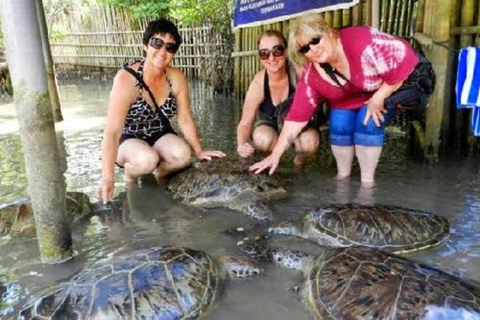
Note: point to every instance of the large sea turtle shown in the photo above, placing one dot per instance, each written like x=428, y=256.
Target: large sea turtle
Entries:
x=157, y=283
x=226, y=183
x=389, y=228
x=364, y=283
x=16, y=217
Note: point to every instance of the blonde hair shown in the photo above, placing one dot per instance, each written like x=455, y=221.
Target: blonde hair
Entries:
x=273, y=33
x=308, y=26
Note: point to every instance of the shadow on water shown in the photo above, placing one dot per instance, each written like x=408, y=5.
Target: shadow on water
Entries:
x=149, y=217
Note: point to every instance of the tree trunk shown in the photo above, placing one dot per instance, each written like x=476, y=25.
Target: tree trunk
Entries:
x=49, y=66
x=46, y=183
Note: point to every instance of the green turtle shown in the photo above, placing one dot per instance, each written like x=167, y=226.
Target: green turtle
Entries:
x=16, y=217
x=157, y=283
x=389, y=228
x=364, y=283
x=226, y=183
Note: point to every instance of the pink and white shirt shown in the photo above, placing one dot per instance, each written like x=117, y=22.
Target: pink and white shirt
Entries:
x=373, y=57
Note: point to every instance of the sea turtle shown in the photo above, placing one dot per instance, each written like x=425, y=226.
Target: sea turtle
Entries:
x=226, y=183
x=389, y=228
x=364, y=283
x=157, y=283
x=16, y=217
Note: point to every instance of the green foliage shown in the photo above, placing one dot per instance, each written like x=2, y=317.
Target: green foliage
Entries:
x=142, y=8
x=192, y=12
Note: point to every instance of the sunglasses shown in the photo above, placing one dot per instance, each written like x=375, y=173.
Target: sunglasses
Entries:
x=304, y=49
x=277, y=51
x=158, y=43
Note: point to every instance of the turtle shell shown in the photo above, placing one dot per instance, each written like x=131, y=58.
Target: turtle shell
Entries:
x=226, y=183
x=220, y=181
x=159, y=283
x=361, y=283
x=388, y=228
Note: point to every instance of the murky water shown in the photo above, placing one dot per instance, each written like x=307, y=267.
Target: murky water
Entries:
x=150, y=218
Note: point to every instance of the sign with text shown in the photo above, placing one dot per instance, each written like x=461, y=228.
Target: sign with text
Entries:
x=249, y=13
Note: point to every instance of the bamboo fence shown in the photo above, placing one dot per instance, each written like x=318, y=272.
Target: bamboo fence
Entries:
x=106, y=37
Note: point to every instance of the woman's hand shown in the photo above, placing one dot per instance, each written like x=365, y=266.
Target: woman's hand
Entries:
x=209, y=154
x=245, y=150
x=269, y=162
x=376, y=111
x=104, y=191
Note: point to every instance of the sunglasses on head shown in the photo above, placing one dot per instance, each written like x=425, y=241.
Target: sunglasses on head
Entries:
x=314, y=41
x=158, y=43
x=277, y=51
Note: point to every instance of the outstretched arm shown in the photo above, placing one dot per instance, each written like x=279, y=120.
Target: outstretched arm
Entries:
x=289, y=133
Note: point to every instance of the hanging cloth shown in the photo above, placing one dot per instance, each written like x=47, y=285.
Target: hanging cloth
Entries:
x=467, y=88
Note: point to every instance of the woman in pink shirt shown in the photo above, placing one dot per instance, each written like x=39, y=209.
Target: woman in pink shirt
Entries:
x=354, y=70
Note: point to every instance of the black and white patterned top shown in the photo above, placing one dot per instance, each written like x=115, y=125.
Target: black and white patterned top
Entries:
x=143, y=120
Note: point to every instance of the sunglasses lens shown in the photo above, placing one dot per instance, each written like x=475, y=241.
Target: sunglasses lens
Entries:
x=278, y=51
x=171, y=47
x=156, y=43
x=264, y=54
x=304, y=49
x=315, y=41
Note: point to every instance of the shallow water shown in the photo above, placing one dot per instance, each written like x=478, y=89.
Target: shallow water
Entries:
x=150, y=218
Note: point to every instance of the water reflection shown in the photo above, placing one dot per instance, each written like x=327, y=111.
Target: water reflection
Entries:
x=149, y=217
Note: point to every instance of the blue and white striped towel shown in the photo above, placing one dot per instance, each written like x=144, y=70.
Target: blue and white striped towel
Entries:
x=467, y=88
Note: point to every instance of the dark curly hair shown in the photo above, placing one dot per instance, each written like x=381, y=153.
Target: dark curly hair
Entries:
x=162, y=26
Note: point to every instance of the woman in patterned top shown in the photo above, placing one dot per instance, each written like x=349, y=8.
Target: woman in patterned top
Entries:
x=270, y=95
x=354, y=70
x=145, y=94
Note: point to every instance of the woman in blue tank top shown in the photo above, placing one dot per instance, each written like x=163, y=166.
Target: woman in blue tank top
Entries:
x=144, y=96
x=268, y=98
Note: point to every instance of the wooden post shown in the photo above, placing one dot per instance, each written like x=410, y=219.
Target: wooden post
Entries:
x=368, y=12
x=357, y=14
x=437, y=120
x=46, y=183
x=237, y=83
x=376, y=14
x=420, y=16
x=49, y=66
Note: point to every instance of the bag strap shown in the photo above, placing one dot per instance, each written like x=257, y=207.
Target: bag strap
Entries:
x=140, y=79
x=333, y=73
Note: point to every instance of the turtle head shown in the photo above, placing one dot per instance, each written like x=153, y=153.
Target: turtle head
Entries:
x=292, y=259
x=285, y=228
x=258, y=249
x=258, y=210
x=239, y=267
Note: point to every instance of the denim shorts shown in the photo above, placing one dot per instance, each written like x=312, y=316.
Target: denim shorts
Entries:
x=347, y=129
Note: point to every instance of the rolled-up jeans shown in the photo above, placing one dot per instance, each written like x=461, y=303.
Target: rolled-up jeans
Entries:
x=347, y=128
